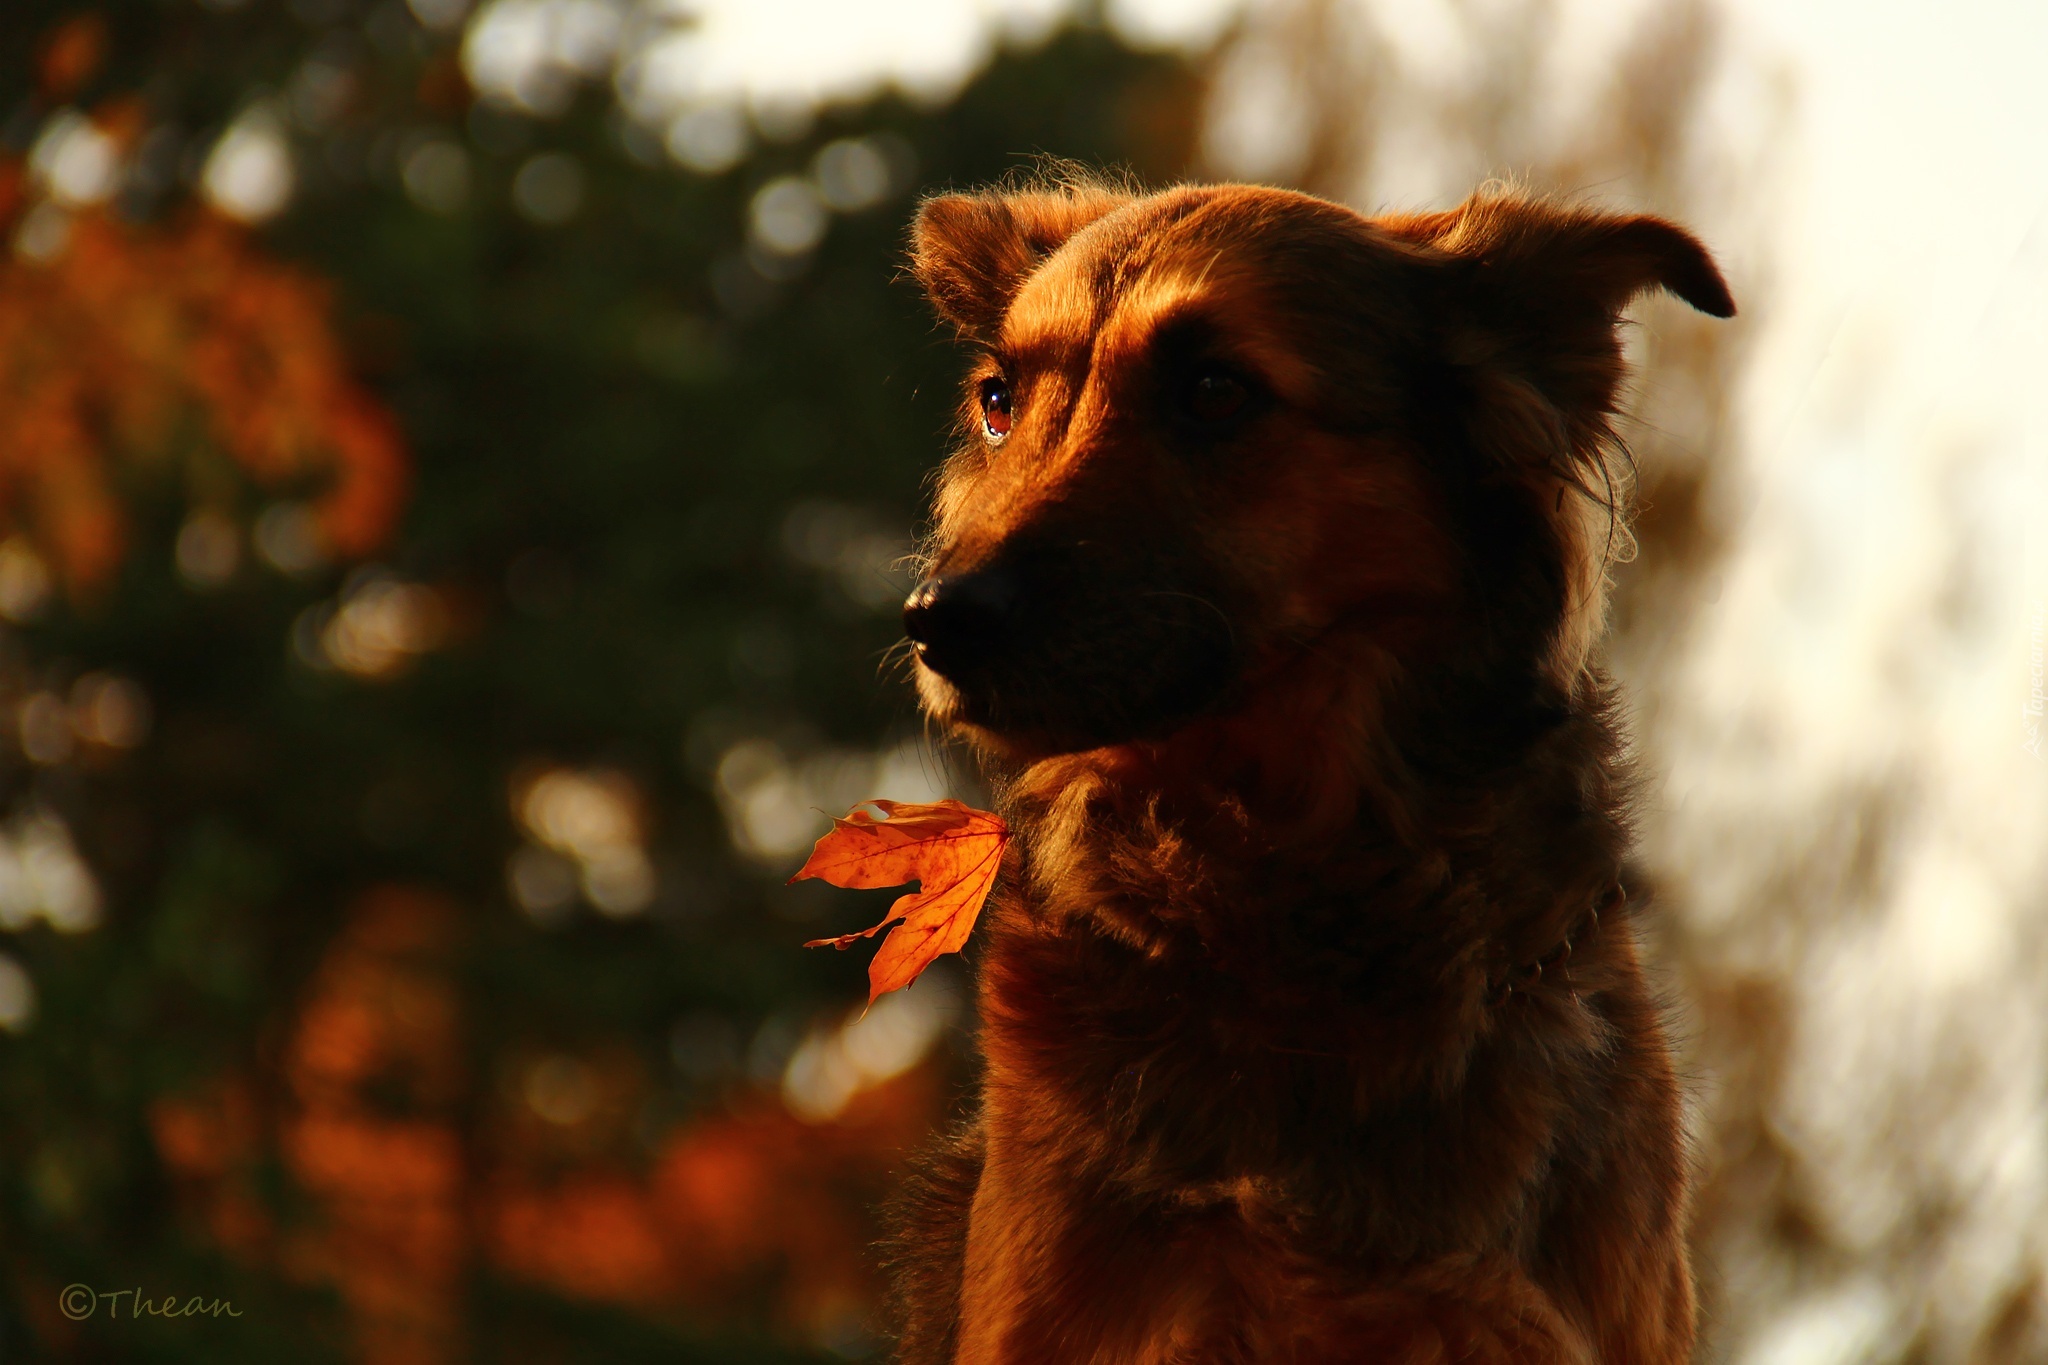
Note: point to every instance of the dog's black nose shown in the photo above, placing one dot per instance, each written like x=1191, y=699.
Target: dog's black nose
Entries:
x=958, y=620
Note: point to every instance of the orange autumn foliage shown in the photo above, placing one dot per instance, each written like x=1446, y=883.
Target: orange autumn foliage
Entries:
x=211, y=1141
x=952, y=852
x=372, y=1075
x=70, y=54
x=129, y=340
x=371, y=1118
x=739, y=1201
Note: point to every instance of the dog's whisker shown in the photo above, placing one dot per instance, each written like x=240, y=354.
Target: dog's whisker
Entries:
x=1229, y=626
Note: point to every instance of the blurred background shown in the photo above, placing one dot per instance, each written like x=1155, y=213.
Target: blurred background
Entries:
x=455, y=467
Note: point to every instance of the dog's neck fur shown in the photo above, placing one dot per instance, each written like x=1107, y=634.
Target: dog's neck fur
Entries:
x=1332, y=752
x=1324, y=903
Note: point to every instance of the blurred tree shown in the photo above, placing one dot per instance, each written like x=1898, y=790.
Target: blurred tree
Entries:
x=445, y=551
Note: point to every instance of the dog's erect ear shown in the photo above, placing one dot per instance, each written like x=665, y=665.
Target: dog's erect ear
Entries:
x=1547, y=282
x=971, y=252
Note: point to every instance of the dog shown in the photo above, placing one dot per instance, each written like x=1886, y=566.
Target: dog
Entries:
x=1267, y=580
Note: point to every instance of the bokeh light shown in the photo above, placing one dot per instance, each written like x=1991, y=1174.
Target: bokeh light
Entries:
x=587, y=829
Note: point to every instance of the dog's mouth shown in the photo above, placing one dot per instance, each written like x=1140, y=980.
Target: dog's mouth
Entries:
x=1047, y=666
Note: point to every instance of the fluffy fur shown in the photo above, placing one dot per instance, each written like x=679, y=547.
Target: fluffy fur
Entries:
x=1281, y=590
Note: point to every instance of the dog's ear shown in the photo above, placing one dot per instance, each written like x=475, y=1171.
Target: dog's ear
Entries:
x=1544, y=284
x=972, y=252
x=1526, y=296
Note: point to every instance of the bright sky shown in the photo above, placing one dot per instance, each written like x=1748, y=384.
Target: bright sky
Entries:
x=823, y=49
x=1891, y=405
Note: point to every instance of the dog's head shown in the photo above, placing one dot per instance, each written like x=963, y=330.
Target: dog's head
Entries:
x=1213, y=428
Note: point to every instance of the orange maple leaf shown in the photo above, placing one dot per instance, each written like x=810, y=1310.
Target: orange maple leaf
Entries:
x=951, y=850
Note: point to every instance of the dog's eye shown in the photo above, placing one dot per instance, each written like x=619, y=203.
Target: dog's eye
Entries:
x=995, y=407
x=1216, y=395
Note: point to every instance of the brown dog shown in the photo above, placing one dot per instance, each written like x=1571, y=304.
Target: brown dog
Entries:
x=1267, y=580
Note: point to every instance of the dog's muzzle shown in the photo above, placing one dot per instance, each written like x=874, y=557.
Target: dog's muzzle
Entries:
x=959, y=622
x=1065, y=650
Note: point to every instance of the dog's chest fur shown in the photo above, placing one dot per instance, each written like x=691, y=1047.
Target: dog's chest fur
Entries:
x=1254, y=1103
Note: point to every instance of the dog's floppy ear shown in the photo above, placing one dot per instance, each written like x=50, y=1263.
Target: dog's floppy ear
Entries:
x=1528, y=294
x=1545, y=283
x=971, y=252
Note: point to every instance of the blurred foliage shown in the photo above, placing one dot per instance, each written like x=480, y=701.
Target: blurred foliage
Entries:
x=384, y=588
